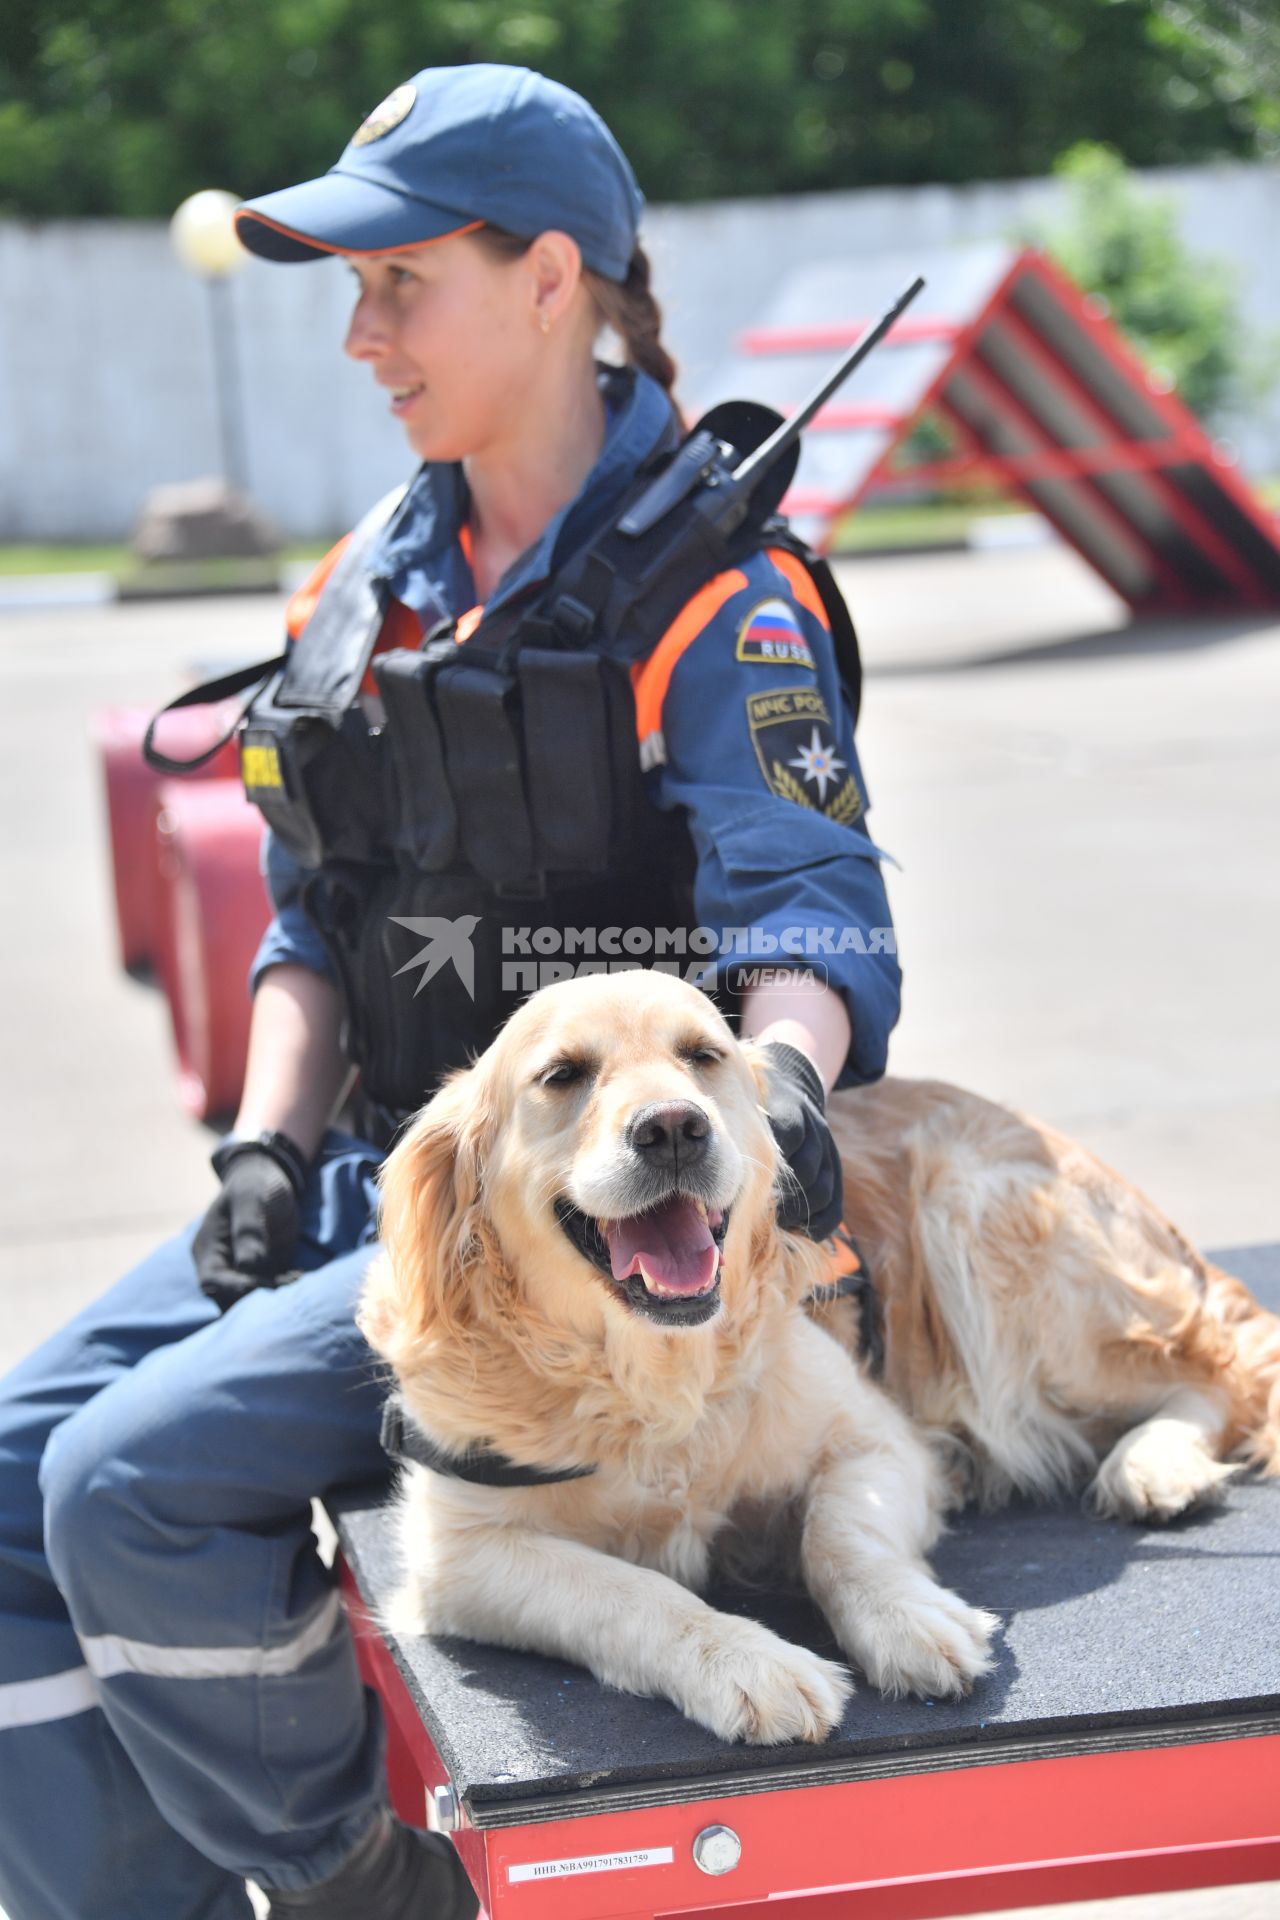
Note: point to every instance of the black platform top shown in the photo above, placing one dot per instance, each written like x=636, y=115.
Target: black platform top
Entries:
x=1112, y=1636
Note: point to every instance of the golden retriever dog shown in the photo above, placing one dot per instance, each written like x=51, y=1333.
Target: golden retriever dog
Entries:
x=582, y=1269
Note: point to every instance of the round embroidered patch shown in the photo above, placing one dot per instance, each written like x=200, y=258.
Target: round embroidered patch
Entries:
x=386, y=116
x=799, y=754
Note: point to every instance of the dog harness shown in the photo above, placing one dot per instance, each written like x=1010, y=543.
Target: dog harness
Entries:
x=850, y=1280
x=404, y=1439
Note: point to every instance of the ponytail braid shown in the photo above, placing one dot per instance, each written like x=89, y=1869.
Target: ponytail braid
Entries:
x=635, y=316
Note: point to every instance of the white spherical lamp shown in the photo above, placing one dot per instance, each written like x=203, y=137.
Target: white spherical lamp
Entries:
x=204, y=235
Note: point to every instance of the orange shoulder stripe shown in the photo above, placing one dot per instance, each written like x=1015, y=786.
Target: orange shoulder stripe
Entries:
x=302, y=602
x=800, y=581
x=651, y=677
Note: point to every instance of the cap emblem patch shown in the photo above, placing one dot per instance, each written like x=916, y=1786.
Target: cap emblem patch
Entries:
x=396, y=107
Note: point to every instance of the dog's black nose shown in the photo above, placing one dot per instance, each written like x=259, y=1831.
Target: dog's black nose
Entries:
x=670, y=1133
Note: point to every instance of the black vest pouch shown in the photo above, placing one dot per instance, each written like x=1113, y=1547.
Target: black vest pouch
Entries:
x=346, y=790
x=273, y=761
x=308, y=756
x=480, y=719
x=424, y=821
x=579, y=734
x=320, y=786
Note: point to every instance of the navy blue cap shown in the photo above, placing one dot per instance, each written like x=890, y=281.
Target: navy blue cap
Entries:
x=455, y=148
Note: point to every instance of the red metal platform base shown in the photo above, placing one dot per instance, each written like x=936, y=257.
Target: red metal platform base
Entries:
x=967, y=1839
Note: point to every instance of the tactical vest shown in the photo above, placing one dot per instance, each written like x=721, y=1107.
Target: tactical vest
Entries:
x=499, y=785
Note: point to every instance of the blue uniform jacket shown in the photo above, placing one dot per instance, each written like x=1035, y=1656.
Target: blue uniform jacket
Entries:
x=741, y=723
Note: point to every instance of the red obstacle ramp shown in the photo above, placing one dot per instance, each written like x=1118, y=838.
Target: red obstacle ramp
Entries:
x=1040, y=391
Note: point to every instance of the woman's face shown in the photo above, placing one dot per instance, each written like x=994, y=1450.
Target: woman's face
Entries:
x=453, y=335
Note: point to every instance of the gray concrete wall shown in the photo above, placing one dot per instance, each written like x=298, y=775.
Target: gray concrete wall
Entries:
x=106, y=385
x=105, y=352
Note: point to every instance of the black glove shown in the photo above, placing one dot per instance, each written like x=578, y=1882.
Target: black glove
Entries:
x=246, y=1239
x=812, y=1200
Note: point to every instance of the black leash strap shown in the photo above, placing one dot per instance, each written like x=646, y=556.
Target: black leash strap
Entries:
x=403, y=1439
x=207, y=695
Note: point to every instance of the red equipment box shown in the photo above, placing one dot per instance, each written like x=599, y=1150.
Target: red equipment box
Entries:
x=131, y=787
x=211, y=912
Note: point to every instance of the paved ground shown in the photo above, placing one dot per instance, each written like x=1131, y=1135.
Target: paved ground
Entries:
x=1088, y=908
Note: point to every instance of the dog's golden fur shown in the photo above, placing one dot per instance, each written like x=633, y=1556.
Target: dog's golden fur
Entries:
x=1045, y=1327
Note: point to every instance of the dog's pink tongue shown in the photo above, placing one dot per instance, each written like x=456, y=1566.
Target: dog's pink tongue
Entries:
x=671, y=1248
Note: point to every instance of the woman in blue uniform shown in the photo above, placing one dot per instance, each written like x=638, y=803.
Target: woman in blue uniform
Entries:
x=179, y=1703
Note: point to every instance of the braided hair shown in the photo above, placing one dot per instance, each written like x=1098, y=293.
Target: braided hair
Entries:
x=635, y=316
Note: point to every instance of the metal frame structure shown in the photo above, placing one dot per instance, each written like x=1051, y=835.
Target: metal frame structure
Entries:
x=1044, y=395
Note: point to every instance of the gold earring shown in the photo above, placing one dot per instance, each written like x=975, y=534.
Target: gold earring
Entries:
x=544, y=322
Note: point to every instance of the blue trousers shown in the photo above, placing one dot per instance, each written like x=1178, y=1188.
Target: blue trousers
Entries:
x=179, y=1703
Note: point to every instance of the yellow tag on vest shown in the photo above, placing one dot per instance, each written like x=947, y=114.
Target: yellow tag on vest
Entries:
x=260, y=767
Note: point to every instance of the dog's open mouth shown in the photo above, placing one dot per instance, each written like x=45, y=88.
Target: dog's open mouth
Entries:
x=665, y=1262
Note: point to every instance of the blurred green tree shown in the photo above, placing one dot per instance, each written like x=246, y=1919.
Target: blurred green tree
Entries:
x=124, y=106
x=1181, y=311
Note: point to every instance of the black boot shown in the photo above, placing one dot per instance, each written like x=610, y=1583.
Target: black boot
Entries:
x=396, y=1873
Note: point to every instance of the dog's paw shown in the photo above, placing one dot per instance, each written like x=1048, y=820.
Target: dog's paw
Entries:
x=913, y=1636
x=750, y=1684
x=1157, y=1472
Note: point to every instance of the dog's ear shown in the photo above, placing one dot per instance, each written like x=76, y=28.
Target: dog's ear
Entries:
x=430, y=1223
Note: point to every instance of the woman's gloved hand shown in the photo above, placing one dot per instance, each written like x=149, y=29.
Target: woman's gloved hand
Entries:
x=812, y=1201
x=247, y=1238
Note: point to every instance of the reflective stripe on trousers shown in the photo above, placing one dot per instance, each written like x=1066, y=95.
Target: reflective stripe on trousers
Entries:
x=179, y=1703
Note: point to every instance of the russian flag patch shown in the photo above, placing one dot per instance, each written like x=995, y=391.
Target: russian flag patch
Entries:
x=770, y=635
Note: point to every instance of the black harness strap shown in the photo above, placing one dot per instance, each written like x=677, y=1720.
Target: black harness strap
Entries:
x=403, y=1439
